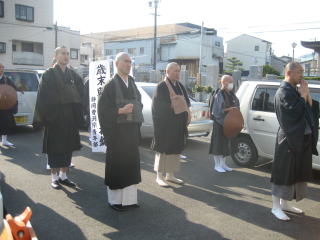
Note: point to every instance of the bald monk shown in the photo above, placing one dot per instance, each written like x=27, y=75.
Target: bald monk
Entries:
x=120, y=116
x=170, y=129
x=224, y=101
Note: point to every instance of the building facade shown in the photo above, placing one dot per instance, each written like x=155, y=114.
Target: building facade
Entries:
x=28, y=36
x=176, y=42
x=251, y=51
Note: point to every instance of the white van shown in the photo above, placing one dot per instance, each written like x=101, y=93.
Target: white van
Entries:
x=258, y=137
x=27, y=81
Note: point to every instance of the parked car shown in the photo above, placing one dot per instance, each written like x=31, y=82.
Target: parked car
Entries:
x=258, y=136
x=200, y=124
x=27, y=81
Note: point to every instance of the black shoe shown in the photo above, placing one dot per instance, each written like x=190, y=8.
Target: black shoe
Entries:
x=118, y=207
x=55, y=184
x=133, y=206
x=67, y=182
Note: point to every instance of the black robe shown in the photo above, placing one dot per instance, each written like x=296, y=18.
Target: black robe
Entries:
x=293, y=151
x=122, y=139
x=61, y=115
x=170, y=129
x=6, y=116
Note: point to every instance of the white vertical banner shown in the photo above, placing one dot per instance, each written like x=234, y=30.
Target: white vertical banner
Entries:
x=99, y=74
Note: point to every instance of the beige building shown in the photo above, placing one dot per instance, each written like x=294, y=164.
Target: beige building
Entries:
x=28, y=36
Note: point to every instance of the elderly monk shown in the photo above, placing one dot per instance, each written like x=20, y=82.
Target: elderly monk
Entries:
x=224, y=101
x=170, y=129
x=120, y=117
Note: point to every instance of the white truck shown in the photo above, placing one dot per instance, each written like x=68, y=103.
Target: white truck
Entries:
x=258, y=137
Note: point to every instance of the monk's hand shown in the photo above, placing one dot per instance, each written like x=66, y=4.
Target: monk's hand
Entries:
x=304, y=89
x=126, y=109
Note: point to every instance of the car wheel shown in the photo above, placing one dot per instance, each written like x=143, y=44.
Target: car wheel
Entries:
x=243, y=151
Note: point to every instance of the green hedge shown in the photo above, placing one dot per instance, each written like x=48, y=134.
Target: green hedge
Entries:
x=306, y=78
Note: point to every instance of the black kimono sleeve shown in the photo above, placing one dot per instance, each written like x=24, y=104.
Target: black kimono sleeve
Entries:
x=107, y=112
x=47, y=104
x=291, y=109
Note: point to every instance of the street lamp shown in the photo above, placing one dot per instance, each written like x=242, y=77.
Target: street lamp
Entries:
x=293, y=47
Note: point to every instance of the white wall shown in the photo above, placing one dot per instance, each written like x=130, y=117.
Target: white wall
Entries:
x=243, y=48
x=143, y=59
x=38, y=31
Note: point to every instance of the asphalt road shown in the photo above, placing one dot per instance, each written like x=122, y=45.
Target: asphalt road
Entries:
x=210, y=205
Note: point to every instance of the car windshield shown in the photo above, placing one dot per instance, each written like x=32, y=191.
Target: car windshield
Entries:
x=24, y=81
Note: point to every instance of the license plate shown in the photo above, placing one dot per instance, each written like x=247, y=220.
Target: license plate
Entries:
x=21, y=119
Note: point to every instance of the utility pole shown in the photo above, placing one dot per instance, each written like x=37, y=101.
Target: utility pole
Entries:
x=155, y=5
x=200, y=57
x=56, y=35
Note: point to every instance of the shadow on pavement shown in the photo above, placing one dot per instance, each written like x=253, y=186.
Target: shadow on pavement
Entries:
x=155, y=219
x=45, y=221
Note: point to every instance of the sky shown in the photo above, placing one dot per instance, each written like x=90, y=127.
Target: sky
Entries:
x=281, y=22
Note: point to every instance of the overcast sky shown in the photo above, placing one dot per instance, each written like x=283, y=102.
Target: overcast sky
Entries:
x=273, y=20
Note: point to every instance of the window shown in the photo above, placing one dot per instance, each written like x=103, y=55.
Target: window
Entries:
x=14, y=47
x=132, y=51
x=264, y=99
x=2, y=47
x=256, y=48
x=1, y=9
x=24, y=81
x=26, y=47
x=141, y=50
x=119, y=50
x=108, y=52
x=24, y=13
x=217, y=44
x=74, y=53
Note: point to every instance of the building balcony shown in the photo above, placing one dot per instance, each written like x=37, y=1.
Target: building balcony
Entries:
x=27, y=58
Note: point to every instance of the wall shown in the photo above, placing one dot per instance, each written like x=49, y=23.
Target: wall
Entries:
x=243, y=48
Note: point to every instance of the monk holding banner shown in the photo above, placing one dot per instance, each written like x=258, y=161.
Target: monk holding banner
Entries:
x=225, y=109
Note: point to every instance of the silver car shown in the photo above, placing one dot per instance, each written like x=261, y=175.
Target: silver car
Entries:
x=200, y=124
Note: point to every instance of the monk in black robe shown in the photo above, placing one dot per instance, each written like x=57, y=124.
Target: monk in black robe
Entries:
x=295, y=144
x=7, y=121
x=59, y=109
x=170, y=129
x=224, y=101
x=120, y=117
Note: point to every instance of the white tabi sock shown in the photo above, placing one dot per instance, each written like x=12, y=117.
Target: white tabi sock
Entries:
x=217, y=164
x=287, y=207
x=63, y=175
x=54, y=177
x=277, y=211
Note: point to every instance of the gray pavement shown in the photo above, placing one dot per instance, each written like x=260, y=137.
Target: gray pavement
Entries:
x=210, y=205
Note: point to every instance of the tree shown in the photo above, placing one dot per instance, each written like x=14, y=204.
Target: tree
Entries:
x=233, y=64
x=267, y=69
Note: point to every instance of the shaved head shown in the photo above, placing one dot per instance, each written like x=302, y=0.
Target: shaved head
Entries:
x=294, y=73
x=123, y=63
x=171, y=65
x=225, y=81
x=173, y=71
x=121, y=56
